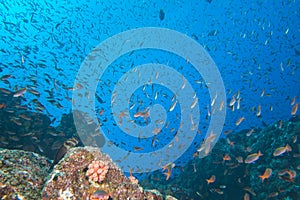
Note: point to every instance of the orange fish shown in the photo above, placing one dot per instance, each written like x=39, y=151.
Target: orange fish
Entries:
x=226, y=157
x=78, y=86
x=169, y=168
x=195, y=154
x=267, y=174
x=253, y=157
x=221, y=105
x=250, y=132
x=292, y=174
x=2, y=105
x=211, y=179
x=101, y=112
x=205, y=146
x=136, y=148
x=281, y=150
x=246, y=196
x=144, y=114
x=121, y=115
x=217, y=190
x=239, y=121
x=156, y=131
x=231, y=143
x=208, y=141
x=294, y=109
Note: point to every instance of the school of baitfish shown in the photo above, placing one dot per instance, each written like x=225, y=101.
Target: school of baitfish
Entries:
x=19, y=100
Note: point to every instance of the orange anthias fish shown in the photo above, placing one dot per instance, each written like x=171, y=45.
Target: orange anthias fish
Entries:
x=211, y=179
x=231, y=143
x=246, y=196
x=144, y=114
x=2, y=105
x=169, y=168
x=226, y=157
x=294, y=109
x=292, y=173
x=253, y=157
x=239, y=121
x=267, y=174
x=281, y=150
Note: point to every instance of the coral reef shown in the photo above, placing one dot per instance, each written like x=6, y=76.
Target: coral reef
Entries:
x=73, y=177
x=22, y=174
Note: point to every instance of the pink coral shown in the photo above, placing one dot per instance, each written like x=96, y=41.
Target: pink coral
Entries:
x=97, y=171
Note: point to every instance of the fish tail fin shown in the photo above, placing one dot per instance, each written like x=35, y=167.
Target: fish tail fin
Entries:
x=288, y=147
x=168, y=174
x=262, y=178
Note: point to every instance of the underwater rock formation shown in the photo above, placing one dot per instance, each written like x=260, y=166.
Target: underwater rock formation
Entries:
x=70, y=179
x=22, y=174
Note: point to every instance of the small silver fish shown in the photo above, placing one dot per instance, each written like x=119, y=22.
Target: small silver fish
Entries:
x=194, y=103
x=172, y=106
x=20, y=92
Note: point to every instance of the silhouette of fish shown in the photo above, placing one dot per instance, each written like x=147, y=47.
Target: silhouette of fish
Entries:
x=68, y=144
x=161, y=14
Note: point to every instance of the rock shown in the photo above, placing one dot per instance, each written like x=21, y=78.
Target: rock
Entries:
x=69, y=180
x=22, y=174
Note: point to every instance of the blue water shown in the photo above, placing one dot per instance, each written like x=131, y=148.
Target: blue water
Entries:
x=254, y=44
